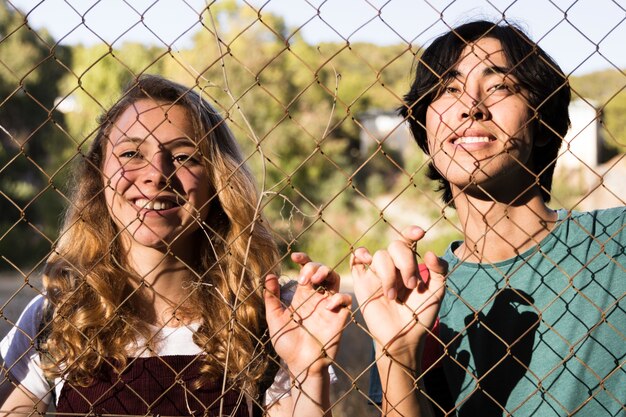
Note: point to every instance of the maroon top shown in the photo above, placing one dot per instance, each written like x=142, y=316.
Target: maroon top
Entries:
x=149, y=386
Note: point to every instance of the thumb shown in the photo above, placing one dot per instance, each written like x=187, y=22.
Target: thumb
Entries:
x=271, y=296
x=435, y=264
x=437, y=270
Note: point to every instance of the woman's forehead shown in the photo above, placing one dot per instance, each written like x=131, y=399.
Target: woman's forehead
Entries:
x=147, y=107
x=150, y=117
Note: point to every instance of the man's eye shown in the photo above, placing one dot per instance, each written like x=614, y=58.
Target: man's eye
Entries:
x=500, y=86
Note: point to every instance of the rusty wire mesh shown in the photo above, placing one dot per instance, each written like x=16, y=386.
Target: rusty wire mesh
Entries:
x=335, y=165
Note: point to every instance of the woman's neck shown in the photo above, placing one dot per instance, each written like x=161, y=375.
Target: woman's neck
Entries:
x=495, y=231
x=163, y=285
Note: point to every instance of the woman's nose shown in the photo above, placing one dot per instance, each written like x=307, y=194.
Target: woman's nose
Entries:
x=159, y=169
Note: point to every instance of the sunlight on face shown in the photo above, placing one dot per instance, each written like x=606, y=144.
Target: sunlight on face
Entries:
x=158, y=186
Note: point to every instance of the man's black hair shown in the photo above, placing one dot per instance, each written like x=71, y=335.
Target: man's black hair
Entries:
x=547, y=89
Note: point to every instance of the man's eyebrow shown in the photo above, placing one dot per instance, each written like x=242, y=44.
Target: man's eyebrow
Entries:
x=450, y=74
x=496, y=69
x=490, y=70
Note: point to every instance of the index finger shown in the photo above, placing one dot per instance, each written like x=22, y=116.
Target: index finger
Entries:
x=412, y=234
x=301, y=258
x=404, y=259
x=271, y=295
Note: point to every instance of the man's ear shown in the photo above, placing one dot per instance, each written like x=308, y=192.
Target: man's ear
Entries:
x=541, y=140
x=541, y=134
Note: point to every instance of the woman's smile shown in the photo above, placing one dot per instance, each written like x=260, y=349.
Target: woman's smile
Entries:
x=158, y=185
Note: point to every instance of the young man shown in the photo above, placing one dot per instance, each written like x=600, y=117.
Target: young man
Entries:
x=532, y=303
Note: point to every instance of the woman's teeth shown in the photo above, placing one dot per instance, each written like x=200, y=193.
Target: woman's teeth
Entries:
x=144, y=203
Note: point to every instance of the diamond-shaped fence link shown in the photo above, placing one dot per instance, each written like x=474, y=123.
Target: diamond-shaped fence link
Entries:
x=163, y=163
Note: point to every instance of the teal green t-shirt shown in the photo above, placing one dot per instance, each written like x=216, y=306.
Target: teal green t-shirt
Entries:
x=544, y=333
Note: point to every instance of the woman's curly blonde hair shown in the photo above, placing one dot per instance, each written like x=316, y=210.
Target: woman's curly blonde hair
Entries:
x=89, y=280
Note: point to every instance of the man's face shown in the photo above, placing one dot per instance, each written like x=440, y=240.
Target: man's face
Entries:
x=478, y=127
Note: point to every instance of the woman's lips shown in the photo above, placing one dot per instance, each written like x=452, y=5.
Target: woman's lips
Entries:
x=157, y=205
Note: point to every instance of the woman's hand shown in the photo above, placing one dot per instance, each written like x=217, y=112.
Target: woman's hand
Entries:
x=306, y=333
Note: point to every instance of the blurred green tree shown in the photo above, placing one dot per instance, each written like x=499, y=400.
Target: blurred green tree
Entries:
x=31, y=140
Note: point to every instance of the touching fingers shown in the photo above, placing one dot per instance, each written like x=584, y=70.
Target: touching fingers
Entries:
x=326, y=277
x=359, y=259
x=315, y=273
x=308, y=271
x=339, y=300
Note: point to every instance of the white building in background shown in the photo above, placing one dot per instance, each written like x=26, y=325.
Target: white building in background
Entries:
x=583, y=146
x=385, y=127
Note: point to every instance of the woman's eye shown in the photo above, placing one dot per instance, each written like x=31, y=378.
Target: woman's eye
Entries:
x=186, y=159
x=130, y=154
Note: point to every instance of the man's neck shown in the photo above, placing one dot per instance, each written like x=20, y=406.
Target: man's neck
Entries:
x=495, y=231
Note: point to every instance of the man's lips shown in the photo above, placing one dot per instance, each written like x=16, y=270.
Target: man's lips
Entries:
x=472, y=136
x=462, y=140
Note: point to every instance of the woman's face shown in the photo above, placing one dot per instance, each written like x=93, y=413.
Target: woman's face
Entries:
x=479, y=127
x=156, y=182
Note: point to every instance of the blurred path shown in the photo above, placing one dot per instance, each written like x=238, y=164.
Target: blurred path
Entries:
x=15, y=293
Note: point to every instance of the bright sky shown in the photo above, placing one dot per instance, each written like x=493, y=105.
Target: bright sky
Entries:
x=581, y=35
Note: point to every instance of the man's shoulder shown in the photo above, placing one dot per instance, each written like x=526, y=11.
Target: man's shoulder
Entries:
x=609, y=221
x=605, y=213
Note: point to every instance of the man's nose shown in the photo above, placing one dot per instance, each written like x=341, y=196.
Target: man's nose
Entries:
x=474, y=107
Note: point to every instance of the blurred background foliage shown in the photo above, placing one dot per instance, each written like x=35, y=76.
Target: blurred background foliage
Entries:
x=294, y=107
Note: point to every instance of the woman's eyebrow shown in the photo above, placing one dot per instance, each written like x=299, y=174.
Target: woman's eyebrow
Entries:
x=180, y=142
x=129, y=139
x=176, y=142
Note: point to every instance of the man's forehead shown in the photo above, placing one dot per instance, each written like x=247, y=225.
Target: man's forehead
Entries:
x=488, y=50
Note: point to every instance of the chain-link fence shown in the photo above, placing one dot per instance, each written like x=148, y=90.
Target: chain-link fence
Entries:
x=142, y=238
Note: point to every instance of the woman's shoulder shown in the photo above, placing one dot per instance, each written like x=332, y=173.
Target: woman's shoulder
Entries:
x=19, y=349
x=21, y=337
x=30, y=319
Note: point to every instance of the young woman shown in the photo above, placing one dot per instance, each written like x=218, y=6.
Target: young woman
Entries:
x=153, y=295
